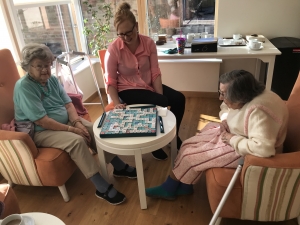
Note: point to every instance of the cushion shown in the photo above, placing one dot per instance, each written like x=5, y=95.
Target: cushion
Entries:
x=54, y=166
x=217, y=180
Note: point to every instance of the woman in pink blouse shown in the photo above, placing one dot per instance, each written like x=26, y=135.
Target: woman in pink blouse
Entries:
x=133, y=73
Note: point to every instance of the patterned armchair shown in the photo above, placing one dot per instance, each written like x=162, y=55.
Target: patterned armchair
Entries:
x=268, y=188
x=21, y=162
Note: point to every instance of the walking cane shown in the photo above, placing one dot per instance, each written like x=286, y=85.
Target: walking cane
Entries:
x=225, y=196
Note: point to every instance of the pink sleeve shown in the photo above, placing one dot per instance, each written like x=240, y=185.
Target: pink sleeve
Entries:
x=111, y=66
x=155, y=70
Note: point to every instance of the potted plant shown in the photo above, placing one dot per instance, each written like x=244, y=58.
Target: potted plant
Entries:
x=97, y=28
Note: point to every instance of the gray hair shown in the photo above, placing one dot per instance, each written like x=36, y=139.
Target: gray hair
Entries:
x=35, y=51
x=242, y=86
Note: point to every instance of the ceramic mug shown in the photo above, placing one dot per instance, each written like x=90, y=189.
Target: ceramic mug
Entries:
x=204, y=34
x=189, y=37
x=197, y=35
x=255, y=44
x=237, y=36
x=14, y=219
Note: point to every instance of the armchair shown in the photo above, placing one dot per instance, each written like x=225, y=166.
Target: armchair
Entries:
x=268, y=189
x=21, y=162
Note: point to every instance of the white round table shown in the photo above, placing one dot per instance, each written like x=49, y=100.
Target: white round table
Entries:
x=136, y=146
x=44, y=218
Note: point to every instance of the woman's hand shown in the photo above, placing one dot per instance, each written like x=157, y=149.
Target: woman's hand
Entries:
x=120, y=106
x=226, y=137
x=82, y=133
x=224, y=126
x=82, y=127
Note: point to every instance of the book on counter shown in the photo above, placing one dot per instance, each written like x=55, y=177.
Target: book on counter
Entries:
x=204, y=45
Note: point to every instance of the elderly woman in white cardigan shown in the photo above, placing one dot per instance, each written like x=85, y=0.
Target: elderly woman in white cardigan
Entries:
x=254, y=121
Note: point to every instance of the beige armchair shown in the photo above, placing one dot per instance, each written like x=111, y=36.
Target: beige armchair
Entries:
x=21, y=162
x=268, y=189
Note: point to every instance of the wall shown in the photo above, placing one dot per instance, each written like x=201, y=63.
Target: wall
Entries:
x=182, y=76
x=193, y=77
x=272, y=18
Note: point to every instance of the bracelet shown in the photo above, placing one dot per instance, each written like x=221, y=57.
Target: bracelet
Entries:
x=69, y=128
x=75, y=121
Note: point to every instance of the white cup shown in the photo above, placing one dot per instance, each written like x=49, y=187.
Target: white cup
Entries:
x=237, y=36
x=14, y=219
x=197, y=35
x=255, y=44
x=204, y=34
x=189, y=37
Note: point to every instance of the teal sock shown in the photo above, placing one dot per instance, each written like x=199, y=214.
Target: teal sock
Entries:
x=170, y=185
x=184, y=189
x=118, y=164
x=166, y=191
x=102, y=185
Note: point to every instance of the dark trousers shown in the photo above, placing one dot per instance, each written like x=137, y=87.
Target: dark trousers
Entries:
x=170, y=97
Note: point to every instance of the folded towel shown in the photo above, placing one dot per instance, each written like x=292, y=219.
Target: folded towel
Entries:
x=171, y=51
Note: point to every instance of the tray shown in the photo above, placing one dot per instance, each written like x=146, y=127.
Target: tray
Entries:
x=229, y=42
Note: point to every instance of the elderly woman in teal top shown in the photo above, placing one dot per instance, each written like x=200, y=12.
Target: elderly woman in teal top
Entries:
x=39, y=97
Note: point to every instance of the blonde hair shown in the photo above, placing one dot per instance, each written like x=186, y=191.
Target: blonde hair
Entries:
x=123, y=13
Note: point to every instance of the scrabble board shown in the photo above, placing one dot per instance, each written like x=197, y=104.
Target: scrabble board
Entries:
x=134, y=122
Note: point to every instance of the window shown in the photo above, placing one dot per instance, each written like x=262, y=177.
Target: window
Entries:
x=45, y=22
x=187, y=16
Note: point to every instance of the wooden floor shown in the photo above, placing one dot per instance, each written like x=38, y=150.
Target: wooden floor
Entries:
x=85, y=209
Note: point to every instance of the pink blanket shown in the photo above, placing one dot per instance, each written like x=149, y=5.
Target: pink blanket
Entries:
x=201, y=152
x=77, y=102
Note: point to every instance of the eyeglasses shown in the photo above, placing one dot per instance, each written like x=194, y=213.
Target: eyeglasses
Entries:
x=41, y=67
x=222, y=93
x=127, y=34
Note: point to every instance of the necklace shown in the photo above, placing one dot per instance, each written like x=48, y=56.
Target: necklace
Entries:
x=45, y=89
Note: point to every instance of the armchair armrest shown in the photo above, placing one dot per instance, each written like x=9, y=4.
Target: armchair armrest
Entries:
x=284, y=160
x=23, y=137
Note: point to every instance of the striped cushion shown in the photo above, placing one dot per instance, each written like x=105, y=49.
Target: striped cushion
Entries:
x=271, y=194
x=17, y=164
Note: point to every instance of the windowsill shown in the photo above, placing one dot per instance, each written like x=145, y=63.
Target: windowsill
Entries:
x=79, y=65
x=198, y=22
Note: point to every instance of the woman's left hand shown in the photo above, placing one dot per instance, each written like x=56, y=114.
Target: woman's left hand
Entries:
x=226, y=137
x=85, y=131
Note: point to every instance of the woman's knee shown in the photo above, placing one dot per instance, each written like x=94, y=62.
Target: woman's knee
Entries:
x=78, y=144
x=177, y=98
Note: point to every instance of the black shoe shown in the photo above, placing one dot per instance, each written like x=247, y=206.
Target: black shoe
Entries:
x=125, y=173
x=159, y=155
x=118, y=199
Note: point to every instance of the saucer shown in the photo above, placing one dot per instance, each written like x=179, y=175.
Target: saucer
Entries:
x=256, y=49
